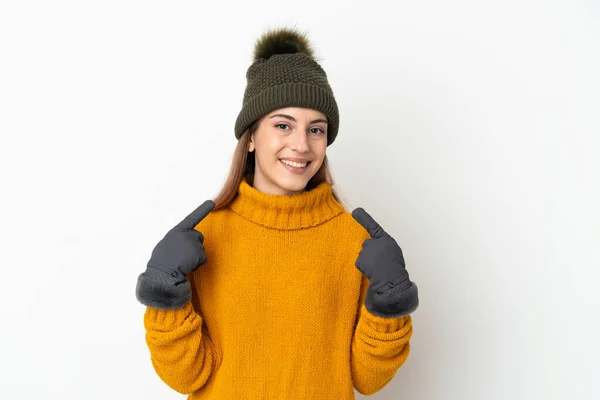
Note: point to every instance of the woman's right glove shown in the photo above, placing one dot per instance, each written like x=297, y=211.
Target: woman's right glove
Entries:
x=164, y=284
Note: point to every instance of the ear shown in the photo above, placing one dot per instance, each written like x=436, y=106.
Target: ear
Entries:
x=251, y=144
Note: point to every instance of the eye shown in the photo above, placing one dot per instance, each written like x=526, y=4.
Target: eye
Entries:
x=317, y=130
x=282, y=126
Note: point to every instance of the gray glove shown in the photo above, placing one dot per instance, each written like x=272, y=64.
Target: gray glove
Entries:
x=164, y=284
x=391, y=293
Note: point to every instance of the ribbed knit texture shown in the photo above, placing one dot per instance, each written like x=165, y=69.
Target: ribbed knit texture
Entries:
x=277, y=311
x=287, y=80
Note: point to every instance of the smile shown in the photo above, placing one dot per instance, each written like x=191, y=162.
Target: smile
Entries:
x=295, y=164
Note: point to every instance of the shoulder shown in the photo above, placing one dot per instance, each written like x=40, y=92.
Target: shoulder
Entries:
x=212, y=220
x=353, y=229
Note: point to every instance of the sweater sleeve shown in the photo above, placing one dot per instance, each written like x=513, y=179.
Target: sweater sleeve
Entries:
x=379, y=347
x=182, y=352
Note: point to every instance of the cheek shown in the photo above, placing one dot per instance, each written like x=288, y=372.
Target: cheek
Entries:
x=268, y=150
x=274, y=147
x=318, y=161
x=320, y=150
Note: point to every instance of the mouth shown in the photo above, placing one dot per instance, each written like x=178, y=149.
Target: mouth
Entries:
x=295, y=164
x=295, y=167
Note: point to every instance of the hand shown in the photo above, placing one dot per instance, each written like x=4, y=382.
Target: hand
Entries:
x=391, y=292
x=164, y=284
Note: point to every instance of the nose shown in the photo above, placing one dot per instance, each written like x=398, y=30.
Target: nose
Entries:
x=299, y=142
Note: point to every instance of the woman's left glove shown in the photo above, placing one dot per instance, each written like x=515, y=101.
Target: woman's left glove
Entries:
x=391, y=293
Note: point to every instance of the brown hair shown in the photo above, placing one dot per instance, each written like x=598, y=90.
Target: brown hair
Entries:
x=243, y=165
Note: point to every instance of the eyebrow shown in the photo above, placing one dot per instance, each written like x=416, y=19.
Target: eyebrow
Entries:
x=294, y=119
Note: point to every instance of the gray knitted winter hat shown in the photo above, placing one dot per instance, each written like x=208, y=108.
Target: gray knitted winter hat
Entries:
x=285, y=74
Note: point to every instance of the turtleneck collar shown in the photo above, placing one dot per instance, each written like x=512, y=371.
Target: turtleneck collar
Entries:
x=303, y=210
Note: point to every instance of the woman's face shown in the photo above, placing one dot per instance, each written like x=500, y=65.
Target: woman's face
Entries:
x=289, y=147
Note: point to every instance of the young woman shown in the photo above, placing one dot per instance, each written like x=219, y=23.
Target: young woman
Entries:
x=273, y=290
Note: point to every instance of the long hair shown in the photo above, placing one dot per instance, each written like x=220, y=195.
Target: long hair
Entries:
x=243, y=164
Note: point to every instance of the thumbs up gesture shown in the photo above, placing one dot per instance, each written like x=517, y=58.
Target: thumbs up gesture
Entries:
x=164, y=284
x=391, y=293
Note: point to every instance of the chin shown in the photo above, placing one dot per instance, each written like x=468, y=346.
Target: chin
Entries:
x=293, y=184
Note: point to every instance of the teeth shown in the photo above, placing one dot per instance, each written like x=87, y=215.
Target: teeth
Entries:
x=294, y=164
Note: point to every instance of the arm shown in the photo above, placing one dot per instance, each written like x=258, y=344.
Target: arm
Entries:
x=182, y=352
x=379, y=347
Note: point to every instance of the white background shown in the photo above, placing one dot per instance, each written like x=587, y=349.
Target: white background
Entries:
x=469, y=130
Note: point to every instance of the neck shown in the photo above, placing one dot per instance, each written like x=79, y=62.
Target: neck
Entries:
x=303, y=210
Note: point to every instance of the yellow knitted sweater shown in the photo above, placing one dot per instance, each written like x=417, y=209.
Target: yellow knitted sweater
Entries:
x=277, y=310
